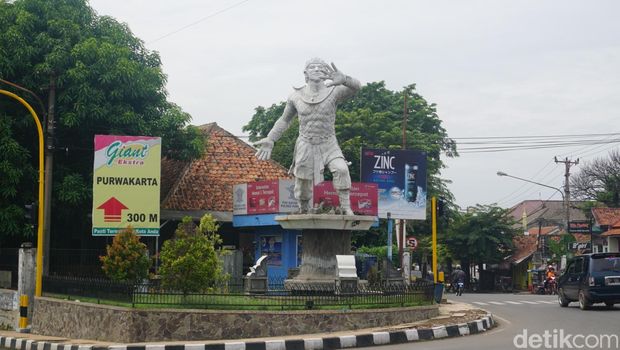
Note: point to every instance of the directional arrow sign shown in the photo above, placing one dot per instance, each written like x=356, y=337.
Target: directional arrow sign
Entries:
x=112, y=210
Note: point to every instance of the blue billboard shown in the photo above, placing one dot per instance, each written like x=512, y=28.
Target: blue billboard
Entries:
x=400, y=176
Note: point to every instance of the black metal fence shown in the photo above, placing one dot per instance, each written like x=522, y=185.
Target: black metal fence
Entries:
x=231, y=295
x=8, y=262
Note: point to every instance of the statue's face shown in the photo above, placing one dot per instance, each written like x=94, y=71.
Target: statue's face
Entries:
x=316, y=72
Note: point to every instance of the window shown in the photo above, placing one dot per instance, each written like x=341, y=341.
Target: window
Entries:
x=578, y=265
x=571, y=268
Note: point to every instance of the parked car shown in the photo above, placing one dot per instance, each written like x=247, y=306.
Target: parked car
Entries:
x=590, y=279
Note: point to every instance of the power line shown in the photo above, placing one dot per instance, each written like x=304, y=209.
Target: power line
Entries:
x=198, y=21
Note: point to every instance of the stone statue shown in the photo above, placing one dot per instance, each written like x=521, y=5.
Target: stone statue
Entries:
x=316, y=147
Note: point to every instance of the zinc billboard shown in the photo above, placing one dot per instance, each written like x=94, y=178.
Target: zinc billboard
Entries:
x=400, y=176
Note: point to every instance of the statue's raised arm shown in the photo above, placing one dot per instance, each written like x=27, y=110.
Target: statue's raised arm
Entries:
x=316, y=147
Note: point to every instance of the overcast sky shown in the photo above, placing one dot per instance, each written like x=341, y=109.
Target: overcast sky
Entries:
x=494, y=69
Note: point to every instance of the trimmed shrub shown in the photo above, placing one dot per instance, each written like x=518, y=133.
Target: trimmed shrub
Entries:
x=190, y=261
x=127, y=258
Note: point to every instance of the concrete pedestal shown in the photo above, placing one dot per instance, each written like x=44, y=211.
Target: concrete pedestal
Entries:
x=324, y=236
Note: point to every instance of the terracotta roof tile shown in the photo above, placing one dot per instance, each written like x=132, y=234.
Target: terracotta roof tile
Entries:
x=612, y=232
x=523, y=247
x=206, y=183
x=607, y=216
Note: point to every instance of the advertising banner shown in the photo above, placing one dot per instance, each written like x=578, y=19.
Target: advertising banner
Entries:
x=363, y=197
x=401, y=179
x=579, y=226
x=264, y=197
x=126, y=181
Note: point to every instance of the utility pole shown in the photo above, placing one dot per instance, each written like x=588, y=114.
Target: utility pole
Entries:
x=49, y=166
x=567, y=164
x=401, y=229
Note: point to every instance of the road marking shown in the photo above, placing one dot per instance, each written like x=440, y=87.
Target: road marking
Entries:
x=528, y=302
x=513, y=302
x=547, y=302
x=480, y=303
x=496, y=303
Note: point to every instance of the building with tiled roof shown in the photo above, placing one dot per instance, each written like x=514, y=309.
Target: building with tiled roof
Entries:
x=609, y=221
x=549, y=212
x=205, y=185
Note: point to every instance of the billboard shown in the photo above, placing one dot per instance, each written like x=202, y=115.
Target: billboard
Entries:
x=363, y=197
x=400, y=176
x=264, y=197
x=126, y=180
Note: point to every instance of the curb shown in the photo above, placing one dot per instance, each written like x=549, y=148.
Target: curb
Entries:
x=327, y=343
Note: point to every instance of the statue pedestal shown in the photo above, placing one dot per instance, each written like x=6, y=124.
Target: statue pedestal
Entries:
x=323, y=237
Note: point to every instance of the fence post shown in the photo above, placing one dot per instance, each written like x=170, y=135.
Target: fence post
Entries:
x=26, y=277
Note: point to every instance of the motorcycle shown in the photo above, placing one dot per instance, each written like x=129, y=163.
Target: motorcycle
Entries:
x=552, y=286
x=460, y=286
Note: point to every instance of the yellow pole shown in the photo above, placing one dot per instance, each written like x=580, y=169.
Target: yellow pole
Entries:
x=434, y=221
x=39, y=273
x=23, y=311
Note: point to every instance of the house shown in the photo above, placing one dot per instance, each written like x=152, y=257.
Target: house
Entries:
x=195, y=188
x=608, y=219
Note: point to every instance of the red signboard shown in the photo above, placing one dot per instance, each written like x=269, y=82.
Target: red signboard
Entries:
x=263, y=197
x=363, y=197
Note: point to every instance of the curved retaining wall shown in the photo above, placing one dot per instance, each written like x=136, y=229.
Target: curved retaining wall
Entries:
x=116, y=324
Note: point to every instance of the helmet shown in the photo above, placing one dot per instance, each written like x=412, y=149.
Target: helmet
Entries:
x=458, y=267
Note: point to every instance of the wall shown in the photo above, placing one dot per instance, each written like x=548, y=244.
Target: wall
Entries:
x=9, y=309
x=115, y=324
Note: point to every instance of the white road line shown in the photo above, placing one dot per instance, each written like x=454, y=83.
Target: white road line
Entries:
x=514, y=302
x=496, y=303
x=480, y=303
x=547, y=301
x=529, y=302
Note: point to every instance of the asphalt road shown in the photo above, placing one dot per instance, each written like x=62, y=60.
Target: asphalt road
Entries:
x=537, y=322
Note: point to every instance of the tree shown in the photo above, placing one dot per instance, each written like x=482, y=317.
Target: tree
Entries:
x=373, y=119
x=482, y=235
x=127, y=258
x=599, y=180
x=190, y=261
x=106, y=82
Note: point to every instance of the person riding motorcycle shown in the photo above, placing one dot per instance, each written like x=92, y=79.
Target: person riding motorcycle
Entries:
x=458, y=279
x=549, y=276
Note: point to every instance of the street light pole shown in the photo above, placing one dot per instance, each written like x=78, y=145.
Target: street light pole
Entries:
x=565, y=199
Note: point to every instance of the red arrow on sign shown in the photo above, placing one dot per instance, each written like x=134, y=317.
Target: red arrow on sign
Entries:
x=112, y=210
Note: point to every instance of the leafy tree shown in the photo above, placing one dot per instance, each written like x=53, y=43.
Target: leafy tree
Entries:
x=190, y=261
x=559, y=247
x=127, y=258
x=599, y=180
x=482, y=235
x=106, y=82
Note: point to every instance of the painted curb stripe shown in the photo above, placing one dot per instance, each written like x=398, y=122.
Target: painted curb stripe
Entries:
x=364, y=340
x=463, y=329
x=313, y=344
x=331, y=343
x=275, y=345
x=251, y=346
x=240, y=346
x=425, y=334
x=412, y=334
x=439, y=332
x=380, y=338
x=453, y=331
x=348, y=341
x=295, y=344
x=174, y=347
x=205, y=347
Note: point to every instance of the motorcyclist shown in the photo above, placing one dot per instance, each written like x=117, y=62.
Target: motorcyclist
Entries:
x=458, y=276
x=549, y=275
